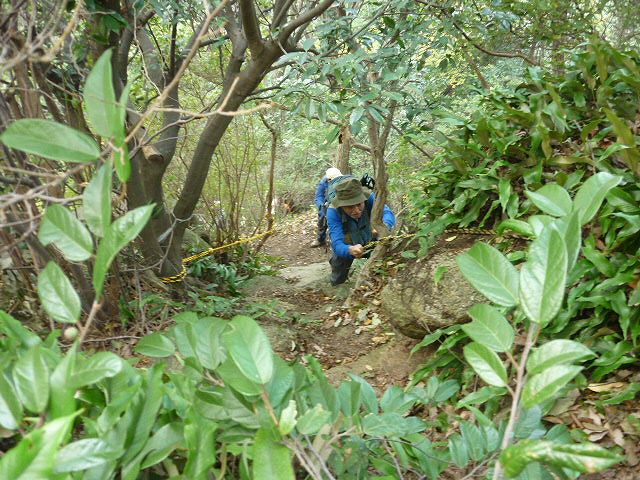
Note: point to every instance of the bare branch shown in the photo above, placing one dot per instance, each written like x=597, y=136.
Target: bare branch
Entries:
x=251, y=27
x=304, y=18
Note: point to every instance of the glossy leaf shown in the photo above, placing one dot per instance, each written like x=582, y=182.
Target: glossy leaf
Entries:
x=10, y=408
x=99, y=98
x=585, y=458
x=313, y=420
x=249, y=348
x=557, y=352
x=60, y=227
x=591, y=194
x=207, y=335
x=62, y=397
x=571, y=232
x=34, y=457
x=546, y=385
x=121, y=162
x=31, y=379
x=84, y=454
x=50, y=140
x=95, y=368
x=155, y=345
x=551, y=199
x=58, y=297
x=489, y=328
x=234, y=378
x=271, y=459
x=490, y=273
x=122, y=231
x=288, y=418
x=16, y=331
x=96, y=201
x=486, y=364
x=391, y=424
x=517, y=226
x=539, y=222
x=543, y=277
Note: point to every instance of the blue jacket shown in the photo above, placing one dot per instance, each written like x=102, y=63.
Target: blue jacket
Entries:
x=336, y=231
x=321, y=192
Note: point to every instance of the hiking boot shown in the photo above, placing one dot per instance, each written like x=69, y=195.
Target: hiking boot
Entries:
x=317, y=243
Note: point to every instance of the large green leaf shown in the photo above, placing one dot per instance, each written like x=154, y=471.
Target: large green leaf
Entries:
x=489, y=328
x=313, y=420
x=58, y=297
x=14, y=329
x=163, y=441
x=31, y=379
x=155, y=345
x=271, y=459
x=96, y=201
x=570, y=229
x=10, y=408
x=60, y=227
x=585, y=458
x=143, y=412
x=249, y=348
x=62, y=398
x=50, y=140
x=199, y=437
x=117, y=236
x=551, y=199
x=543, y=277
x=544, y=386
x=95, y=368
x=34, y=457
x=99, y=97
x=288, y=418
x=233, y=377
x=556, y=352
x=486, y=364
x=491, y=273
x=391, y=424
x=84, y=454
x=208, y=348
x=591, y=194
x=539, y=222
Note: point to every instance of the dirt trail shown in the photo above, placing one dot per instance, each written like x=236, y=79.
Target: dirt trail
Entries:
x=314, y=320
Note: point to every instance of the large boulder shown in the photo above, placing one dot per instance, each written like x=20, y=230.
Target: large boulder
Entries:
x=430, y=292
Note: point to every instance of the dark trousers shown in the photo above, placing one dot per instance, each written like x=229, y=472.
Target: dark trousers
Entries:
x=322, y=224
x=339, y=269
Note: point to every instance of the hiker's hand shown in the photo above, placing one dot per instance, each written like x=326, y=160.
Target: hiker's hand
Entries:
x=374, y=232
x=356, y=250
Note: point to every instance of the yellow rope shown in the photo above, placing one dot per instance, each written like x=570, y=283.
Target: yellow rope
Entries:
x=210, y=251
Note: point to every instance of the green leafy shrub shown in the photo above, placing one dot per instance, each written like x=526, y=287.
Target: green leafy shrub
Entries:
x=518, y=162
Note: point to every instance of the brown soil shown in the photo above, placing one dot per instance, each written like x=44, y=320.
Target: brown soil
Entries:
x=357, y=340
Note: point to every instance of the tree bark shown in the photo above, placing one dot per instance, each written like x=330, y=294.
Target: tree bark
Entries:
x=344, y=150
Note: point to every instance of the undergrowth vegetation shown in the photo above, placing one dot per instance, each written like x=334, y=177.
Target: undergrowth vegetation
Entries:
x=513, y=166
x=554, y=161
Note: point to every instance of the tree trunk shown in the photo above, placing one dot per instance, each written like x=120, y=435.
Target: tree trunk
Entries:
x=272, y=169
x=344, y=150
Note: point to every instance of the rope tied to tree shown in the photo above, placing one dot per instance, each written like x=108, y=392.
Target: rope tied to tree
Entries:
x=210, y=251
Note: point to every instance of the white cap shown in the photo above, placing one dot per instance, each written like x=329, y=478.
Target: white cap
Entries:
x=332, y=173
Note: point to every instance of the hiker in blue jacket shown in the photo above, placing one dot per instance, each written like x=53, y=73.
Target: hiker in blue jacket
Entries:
x=321, y=203
x=349, y=219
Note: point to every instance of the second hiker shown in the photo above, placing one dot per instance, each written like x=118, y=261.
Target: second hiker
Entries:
x=349, y=219
x=321, y=203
